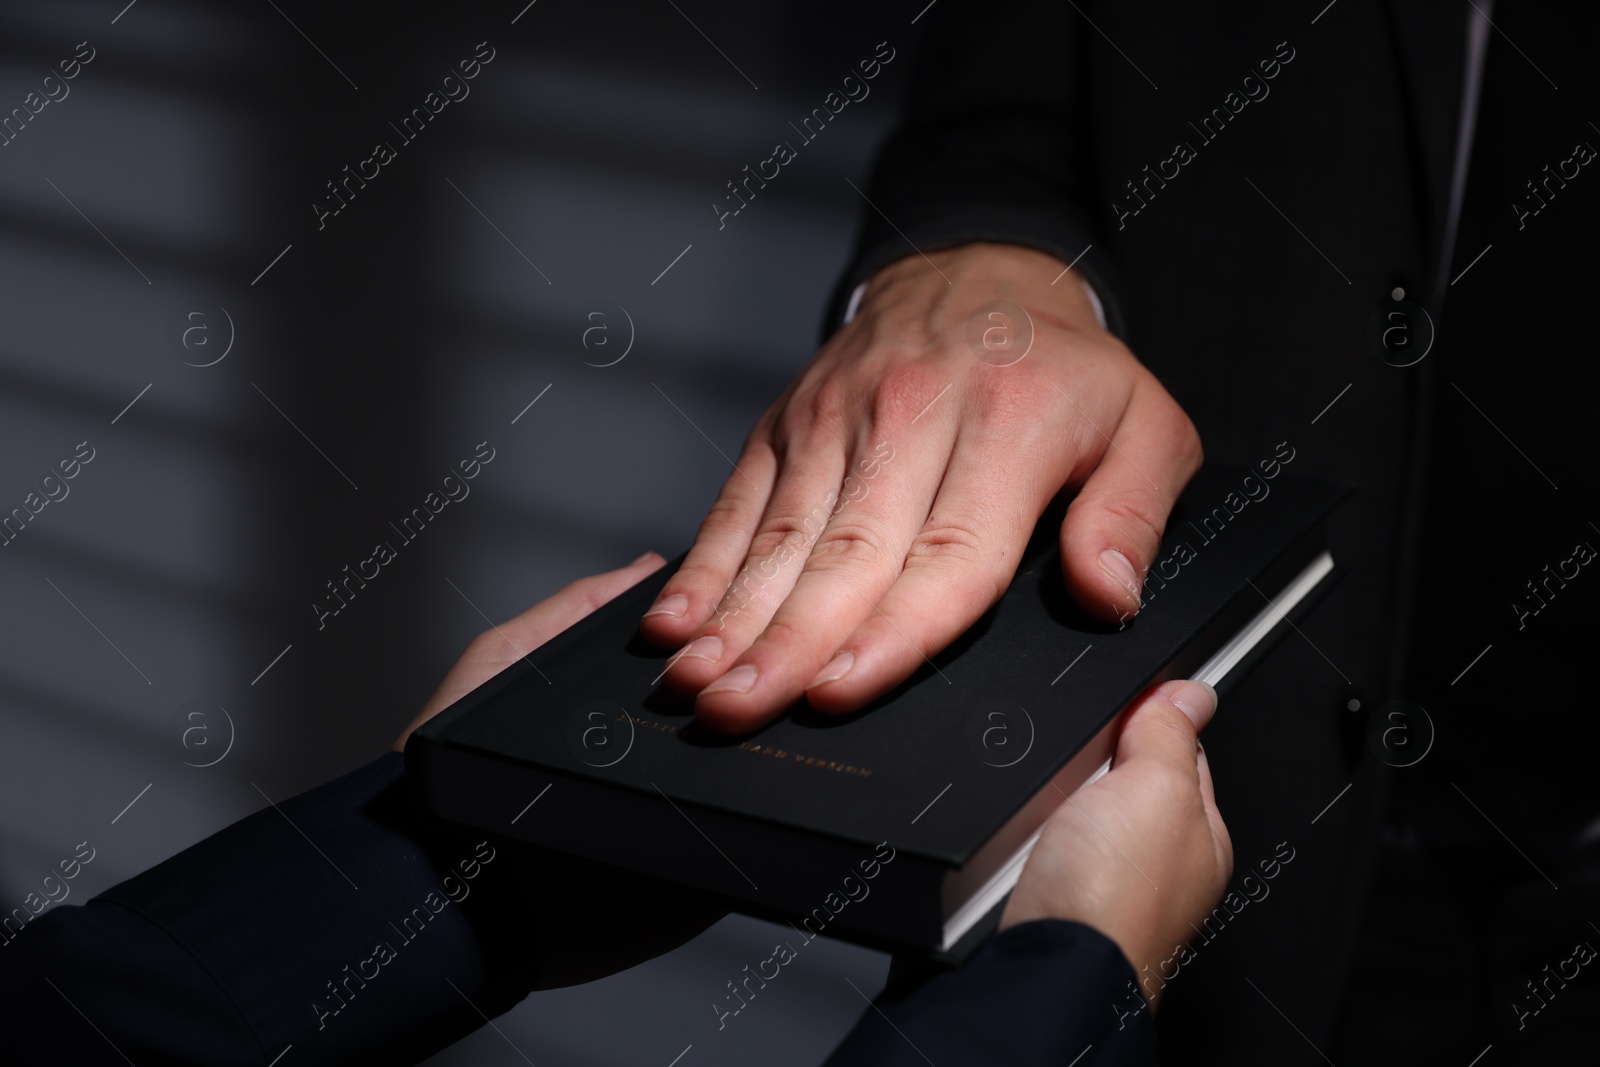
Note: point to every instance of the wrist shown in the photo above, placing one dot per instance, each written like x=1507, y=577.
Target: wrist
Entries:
x=1150, y=959
x=962, y=277
x=1059, y=934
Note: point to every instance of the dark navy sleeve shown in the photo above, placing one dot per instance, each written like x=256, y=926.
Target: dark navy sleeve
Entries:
x=1046, y=992
x=346, y=925
x=342, y=924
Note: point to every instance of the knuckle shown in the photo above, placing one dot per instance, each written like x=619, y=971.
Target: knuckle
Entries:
x=780, y=534
x=726, y=514
x=1137, y=515
x=955, y=541
x=1181, y=434
x=849, y=545
x=1007, y=396
x=695, y=575
x=948, y=539
x=826, y=410
x=903, y=390
x=1161, y=717
x=782, y=632
x=1174, y=723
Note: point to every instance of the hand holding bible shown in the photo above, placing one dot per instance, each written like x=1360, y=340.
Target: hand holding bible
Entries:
x=1142, y=854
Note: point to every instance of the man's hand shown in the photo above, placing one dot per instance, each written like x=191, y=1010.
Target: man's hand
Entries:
x=1142, y=854
x=881, y=505
x=496, y=649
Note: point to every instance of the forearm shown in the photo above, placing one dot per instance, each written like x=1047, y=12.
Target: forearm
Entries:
x=335, y=922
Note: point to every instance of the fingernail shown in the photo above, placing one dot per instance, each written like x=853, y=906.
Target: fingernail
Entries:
x=837, y=668
x=674, y=605
x=738, y=680
x=708, y=648
x=1197, y=700
x=1116, y=564
x=644, y=557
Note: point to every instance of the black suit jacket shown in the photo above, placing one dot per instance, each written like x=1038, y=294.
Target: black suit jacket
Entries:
x=1245, y=184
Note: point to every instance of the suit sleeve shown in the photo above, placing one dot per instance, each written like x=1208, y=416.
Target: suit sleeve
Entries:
x=342, y=922
x=989, y=146
x=1046, y=992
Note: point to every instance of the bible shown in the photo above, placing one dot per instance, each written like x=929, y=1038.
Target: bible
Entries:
x=902, y=826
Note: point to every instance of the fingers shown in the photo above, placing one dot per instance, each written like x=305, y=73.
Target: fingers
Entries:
x=957, y=566
x=1141, y=853
x=1113, y=528
x=572, y=602
x=494, y=649
x=807, y=489
x=854, y=562
x=790, y=590
x=1160, y=758
x=720, y=548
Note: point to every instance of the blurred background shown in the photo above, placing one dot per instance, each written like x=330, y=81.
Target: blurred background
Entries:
x=265, y=386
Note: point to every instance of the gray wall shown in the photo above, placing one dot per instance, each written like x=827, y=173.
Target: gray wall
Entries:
x=373, y=355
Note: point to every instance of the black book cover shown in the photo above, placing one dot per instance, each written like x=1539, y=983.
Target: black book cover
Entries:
x=880, y=824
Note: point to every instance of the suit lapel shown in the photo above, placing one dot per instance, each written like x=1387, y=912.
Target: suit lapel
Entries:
x=1430, y=36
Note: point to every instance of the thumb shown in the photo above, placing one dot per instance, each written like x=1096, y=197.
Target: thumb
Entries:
x=1113, y=527
x=1163, y=728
